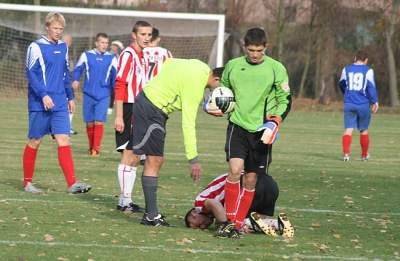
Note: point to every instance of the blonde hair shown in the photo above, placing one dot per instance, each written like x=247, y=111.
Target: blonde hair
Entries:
x=55, y=17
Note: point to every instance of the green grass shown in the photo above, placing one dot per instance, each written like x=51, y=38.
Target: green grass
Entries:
x=344, y=211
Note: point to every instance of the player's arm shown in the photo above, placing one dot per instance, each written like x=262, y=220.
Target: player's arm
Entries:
x=280, y=96
x=80, y=67
x=34, y=70
x=215, y=207
x=67, y=85
x=371, y=91
x=342, y=81
x=113, y=72
x=121, y=83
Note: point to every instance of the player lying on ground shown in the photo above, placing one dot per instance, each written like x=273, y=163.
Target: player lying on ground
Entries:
x=209, y=204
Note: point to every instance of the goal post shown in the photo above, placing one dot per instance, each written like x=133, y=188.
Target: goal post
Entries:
x=186, y=35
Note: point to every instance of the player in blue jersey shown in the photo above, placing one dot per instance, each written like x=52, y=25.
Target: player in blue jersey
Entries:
x=360, y=98
x=100, y=69
x=50, y=98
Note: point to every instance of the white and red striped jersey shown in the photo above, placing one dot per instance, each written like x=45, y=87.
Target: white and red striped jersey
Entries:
x=214, y=190
x=154, y=58
x=131, y=75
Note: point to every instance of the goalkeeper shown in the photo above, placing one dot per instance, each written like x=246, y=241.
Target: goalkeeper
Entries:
x=262, y=95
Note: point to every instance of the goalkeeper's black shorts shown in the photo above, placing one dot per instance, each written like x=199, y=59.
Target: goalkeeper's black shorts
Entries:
x=267, y=192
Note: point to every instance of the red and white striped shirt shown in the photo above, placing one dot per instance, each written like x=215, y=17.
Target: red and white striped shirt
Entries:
x=154, y=58
x=131, y=75
x=214, y=190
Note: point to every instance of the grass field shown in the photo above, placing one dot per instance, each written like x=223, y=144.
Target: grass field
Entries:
x=341, y=211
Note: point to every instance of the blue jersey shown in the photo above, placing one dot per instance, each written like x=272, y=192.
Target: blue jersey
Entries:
x=48, y=74
x=100, y=72
x=358, y=84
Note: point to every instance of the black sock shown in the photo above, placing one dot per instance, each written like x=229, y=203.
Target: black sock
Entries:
x=149, y=186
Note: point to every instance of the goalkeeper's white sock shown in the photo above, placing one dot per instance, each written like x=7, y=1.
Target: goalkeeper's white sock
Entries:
x=126, y=179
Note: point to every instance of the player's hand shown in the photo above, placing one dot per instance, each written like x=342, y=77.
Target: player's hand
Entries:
x=47, y=102
x=75, y=85
x=195, y=171
x=275, y=118
x=374, y=107
x=119, y=124
x=71, y=106
x=270, y=133
x=212, y=110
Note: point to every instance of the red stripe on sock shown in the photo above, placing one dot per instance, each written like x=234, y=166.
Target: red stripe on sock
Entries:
x=364, y=142
x=243, y=207
x=232, y=193
x=98, y=136
x=28, y=163
x=346, y=143
x=90, y=134
x=67, y=164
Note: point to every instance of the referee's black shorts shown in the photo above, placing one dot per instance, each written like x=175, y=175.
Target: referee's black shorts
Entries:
x=247, y=146
x=267, y=192
x=148, y=127
x=123, y=139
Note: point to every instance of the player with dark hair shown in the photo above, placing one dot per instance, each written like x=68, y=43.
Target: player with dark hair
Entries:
x=100, y=69
x=50, y=98
x=357, y=84
x=178, y=87
x=131, y=78
x=262, y=96
x=209, y=204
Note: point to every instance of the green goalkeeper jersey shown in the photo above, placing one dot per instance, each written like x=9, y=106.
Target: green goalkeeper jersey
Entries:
x=260, y=90
x=180, y=87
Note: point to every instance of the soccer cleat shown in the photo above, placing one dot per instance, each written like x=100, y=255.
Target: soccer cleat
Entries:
x=79, y=187
x=285, y=227
x=132, y=207
x=158, y=221
x=227, y=230
x=346, y=157
x=261, y=225
x=32, y=189
x=94, y=153
x=73, y=132
x=365, y=158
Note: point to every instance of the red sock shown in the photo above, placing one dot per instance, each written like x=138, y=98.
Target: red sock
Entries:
x=90, y=134
x=67, y=164
x=346, y=143
x=243, y=207
x=28, y=163
x=364, y=142
x=232, y=194
x=98, y=135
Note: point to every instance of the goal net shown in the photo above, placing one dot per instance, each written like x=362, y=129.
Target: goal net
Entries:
x=186, y=35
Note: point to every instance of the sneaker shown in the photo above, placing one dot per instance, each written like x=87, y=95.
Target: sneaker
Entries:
x=227, y=230
x=285, y=227
x=32, y=189
x=73, y=132
x=259, y=223
x=132, y=207
x=79, y=187
x=365, y=158
x=346, y=157
x=158, y=221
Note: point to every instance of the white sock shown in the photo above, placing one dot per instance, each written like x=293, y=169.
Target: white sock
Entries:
x=126, y=179
x=271, y=222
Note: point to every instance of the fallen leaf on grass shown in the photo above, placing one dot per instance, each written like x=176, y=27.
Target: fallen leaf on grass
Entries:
x=321, y=247
x=337, y=236
x=316, y=225
x=48, y=238
x=62, y=258
x=184, y=241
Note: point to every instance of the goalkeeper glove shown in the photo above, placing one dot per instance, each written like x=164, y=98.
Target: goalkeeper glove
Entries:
x=270, y=133
x=210, y=108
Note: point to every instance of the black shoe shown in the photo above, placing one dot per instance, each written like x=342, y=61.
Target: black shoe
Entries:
x=132, y=207
x=158, y=221
x=224, y=230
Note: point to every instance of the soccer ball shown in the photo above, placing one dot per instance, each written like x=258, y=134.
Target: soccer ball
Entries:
x=222, y=98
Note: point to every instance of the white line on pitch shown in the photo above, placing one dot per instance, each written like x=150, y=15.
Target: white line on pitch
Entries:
x=189, y=203
x=183, y=250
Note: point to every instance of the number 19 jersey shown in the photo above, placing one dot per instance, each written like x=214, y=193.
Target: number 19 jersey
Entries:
x=358, y=84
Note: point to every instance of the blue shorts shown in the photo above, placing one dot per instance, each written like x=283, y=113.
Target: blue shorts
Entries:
x=95, y=110
x=357, y=116
x=48, y=122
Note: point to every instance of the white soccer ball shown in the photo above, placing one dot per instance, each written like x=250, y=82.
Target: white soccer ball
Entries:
x=223, y=99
